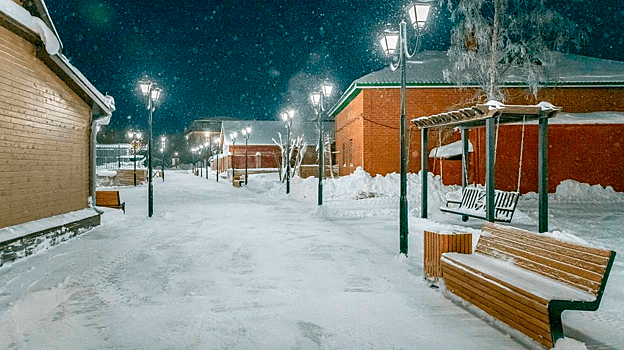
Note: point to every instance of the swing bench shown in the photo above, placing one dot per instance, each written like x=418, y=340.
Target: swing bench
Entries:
x=473, y=204
x=473, y=200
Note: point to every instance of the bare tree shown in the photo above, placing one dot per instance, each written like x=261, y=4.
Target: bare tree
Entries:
x=491, y=36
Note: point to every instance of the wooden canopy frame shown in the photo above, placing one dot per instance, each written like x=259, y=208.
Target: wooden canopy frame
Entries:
x=488, y=115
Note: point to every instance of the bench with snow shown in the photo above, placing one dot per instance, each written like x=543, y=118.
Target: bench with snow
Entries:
x=472, y=204
x=526, y=280
x=109, y=199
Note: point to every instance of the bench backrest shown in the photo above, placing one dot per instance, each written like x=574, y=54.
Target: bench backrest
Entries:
x=504, y=202
x=579, y=266
x=105, y=198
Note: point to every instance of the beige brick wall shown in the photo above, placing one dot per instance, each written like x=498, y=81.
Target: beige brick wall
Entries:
x=44, y=138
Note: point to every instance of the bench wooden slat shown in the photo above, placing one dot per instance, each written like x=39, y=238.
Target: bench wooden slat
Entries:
x=556, y=274
x=557, y=262
x=498, y=229
x=485, y=303
x=577, y=258
x=528, y=304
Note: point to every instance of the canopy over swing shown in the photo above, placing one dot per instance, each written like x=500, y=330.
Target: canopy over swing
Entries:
x=489, y=115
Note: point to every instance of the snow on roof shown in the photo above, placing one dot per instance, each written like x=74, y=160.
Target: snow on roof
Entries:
x=428, y=68
x=586, y=118
x=264, y=131
x=44, y=28
x=450, y=150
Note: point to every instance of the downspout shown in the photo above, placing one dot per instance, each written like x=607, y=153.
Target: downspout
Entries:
x=92, y=163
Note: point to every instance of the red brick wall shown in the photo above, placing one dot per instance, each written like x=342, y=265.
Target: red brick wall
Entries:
x=268, y=159
x=371, y=120
x=585, y=153
x=349, y=126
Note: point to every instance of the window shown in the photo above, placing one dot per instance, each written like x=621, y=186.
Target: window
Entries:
x=344, y=155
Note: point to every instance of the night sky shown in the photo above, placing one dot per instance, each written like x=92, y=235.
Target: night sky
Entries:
x=252, y=59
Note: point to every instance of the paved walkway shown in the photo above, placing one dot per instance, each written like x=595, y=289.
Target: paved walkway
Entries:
x=224, y=268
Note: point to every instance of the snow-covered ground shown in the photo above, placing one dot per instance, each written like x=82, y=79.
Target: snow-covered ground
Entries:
x=219, y=267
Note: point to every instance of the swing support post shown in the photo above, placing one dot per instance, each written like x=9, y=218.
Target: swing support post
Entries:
x=490, y=160
x=542, y=181
x=465, y=174
x=424, y=168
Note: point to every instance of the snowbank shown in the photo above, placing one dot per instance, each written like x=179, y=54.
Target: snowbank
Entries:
x=569, y=344
x=574, y=191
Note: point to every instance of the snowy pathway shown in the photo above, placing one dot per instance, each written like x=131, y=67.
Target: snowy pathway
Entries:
x=225, y=268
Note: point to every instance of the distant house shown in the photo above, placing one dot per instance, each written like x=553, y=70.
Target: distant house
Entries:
x=263, y=149
x=49, y=114
x=367, y=122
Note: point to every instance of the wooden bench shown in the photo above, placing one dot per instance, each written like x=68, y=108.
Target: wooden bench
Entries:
x=526, y=280
x=109, y=199
x=473, y=204
x=238, y=181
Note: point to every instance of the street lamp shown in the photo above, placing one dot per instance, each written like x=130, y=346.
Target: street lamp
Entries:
x=233, y=138
x=135, y=136
x=217, y=142
x=318, y=102
x=287, y=117
x=152, y=94
x=418, y=12
x=246, y=131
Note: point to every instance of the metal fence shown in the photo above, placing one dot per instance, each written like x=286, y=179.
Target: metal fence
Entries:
x=117, y=156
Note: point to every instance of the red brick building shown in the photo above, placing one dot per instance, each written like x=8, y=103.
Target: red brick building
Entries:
x=367, y=120
x=262, y=151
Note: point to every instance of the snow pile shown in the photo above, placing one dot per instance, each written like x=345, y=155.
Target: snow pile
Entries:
x=569, y=344
x=359, y=185
x=573, y=191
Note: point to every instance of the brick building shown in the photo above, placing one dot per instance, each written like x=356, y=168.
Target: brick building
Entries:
x=49, y=114
x=367, y=118
x=262, y=150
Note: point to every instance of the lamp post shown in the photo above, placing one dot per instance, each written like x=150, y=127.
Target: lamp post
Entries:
x=199, y=161
x=246, y=131
x=163, y=144
x=418, y=13
x=233, y=138
x=318, y=102
x=287, y=117
x=135, y=136
x=217, y=142
x=152, y=93
x=208, y=147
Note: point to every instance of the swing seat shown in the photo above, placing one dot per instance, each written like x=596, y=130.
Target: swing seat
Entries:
x=473, y=204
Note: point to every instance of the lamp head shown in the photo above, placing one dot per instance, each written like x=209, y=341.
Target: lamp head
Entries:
x=327, y=89
x=155, y=94
x=145, y=86
x=316, y=98
x=389, y=41
x=418, y=13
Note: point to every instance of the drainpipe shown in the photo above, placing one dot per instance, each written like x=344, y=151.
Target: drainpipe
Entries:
x=94, y=125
